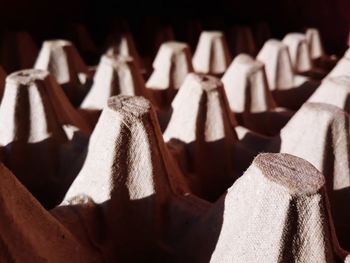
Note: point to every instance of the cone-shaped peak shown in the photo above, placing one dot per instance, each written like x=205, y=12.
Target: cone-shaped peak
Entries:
x=275, y=55
x=275, y=212
x=203, y=101
x=26, y=112
x=299, y=51
x=24, y=223
x=246, y=86
x=202, y=123
x=79, y=34
x=123, y=44
x=115, y=75
x=127, y=156
x=323, y=142
x=335, y=91
x=18, y=51
x=315, y=43
x=212, y=55
x=62, y=60
x=171, y=66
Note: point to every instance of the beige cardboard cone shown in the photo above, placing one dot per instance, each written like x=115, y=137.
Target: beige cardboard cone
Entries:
x=18, y=51
x=342, y=68
x=28, y=233
x=130, y=173
x=202, y=124
x=212, y=55
x=32, y=115
x=276, y=212
x=288, y=89
x=62, y=60
x=123, y=44
x=249, y=96
x=326, y=147
x=314, y=42
x=115, y=75
x=299, y=52
x=171, y=66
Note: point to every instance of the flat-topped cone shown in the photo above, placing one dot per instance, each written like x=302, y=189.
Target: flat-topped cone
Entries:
x=279, y=70
x=288, y=89
x=123, y=44
x=115, y=75
x=314, y=42
x=32, y=115
x=276, y=212
x=203, y=125
x=335, y=91
x=18, y=51
x=299, y=51
x=171, y=66
x=325, y=144
x=128, y=166
x=249, y=96
x=212, y=55
x=246, y=86
x=242, y=40
x=28, y=233
x=62, y=60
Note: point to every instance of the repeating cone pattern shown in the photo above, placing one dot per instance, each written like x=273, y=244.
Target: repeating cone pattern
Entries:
x=203, y=191
x=171, y=66
x=243, y=40
x=249, y=96
x=201, y=124
x=33, y=113
x=288, y=89
x=299, y=51
x=212, y=55
x=115, y=75
x=63, y=61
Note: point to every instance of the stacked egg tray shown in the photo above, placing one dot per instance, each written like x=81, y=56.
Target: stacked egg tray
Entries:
x=199, y=158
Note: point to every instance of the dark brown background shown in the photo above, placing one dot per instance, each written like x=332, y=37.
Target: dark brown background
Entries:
x=48, y=19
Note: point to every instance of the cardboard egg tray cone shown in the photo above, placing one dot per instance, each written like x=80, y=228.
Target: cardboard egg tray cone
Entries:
x=35, y=116
x=250, y=98
x=18, y=51
x=319, y=57
x=115, y=75
x=288, y=89
x=212, y=55
x=202, y=124
x=170, y=68
x=2, y=82
x=62, y=60
x=297, y=227
x=301, y=57
x=122, y=43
